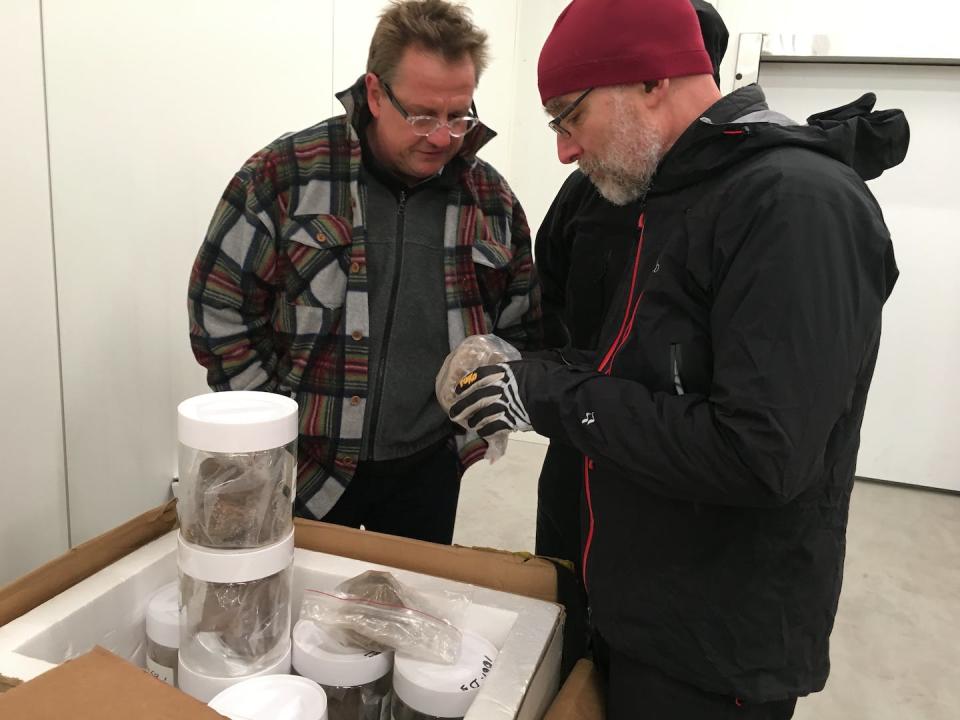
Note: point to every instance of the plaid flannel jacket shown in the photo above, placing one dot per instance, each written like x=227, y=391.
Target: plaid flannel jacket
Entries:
x=278, y=292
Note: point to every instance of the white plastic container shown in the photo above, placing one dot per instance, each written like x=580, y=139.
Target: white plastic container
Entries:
x=273, y=697
x=356, y=681
x=427, y=691
x=235, y=615
x=206, y=687
x=226, y=566
x=163, y=633
x=238, y=465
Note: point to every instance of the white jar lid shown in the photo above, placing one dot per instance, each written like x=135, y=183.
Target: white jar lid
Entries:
x=273, y=697
x=445, y=691
x=163, y=616
x=237, y=421
x=233, y=566
x=320, y=657
x=205, y=687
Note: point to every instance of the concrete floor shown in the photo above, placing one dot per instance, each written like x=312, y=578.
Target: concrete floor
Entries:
x=895, y=649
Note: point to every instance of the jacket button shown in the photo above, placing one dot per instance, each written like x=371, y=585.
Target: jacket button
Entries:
x=355, y=400
x=357, y=335
x=355, y=267
x=321, y=237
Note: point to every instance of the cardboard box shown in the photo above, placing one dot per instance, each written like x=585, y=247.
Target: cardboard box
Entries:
x=100, y=686
x=512, y=601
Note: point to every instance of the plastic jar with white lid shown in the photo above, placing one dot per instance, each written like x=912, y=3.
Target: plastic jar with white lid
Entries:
x=356, y=681
x=272, y=697
x=238, y=466
x=163, y=633
x=432, y=691
x=235, y=629
x=205, y=687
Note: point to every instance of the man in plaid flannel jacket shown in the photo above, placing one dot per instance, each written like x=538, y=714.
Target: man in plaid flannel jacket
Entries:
x=346, y=260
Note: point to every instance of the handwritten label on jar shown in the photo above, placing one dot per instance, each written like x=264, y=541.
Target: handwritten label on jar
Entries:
x=160, y=672
x=478, y=681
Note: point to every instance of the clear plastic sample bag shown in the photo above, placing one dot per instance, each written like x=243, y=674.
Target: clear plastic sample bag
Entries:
x=376, y=612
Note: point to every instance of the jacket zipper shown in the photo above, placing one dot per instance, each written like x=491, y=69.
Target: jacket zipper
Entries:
x=631, y=310
x=587, y=467
x=391, y=313
x=629, y=315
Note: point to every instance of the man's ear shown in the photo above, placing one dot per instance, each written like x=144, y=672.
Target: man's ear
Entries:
x=374, y=94
x=655, y=92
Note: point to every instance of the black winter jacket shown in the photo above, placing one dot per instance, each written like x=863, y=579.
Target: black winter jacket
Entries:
x=582, y=247
x=721, y=416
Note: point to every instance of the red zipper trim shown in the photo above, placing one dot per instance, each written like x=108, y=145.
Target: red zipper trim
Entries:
x=587, y=466
x=630, y=311
x=629, y=316
x=623, y=340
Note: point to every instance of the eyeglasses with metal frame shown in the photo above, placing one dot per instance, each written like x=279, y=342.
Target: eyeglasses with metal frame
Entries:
x=565, y=113
x=424, y=125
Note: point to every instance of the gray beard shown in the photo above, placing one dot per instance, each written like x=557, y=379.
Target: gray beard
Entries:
x=623, y=173
x=620, y=189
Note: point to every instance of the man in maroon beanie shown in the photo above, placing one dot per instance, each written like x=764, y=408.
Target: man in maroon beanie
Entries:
x=719, y=418
x=582, y=247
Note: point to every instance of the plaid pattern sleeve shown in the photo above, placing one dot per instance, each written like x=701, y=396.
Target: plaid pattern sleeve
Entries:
x=231, y=293
x=503, y=262
x=520, y=320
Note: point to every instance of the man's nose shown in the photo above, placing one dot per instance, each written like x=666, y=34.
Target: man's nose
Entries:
x=440, y=137
x=568, y=150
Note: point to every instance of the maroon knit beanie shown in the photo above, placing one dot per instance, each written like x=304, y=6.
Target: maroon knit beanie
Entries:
x=620, y=42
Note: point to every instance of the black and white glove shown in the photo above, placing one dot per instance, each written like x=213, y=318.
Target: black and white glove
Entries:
x=490, y=401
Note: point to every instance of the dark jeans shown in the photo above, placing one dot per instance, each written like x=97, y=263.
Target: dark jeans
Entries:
x=414, y=497
x=635, y=691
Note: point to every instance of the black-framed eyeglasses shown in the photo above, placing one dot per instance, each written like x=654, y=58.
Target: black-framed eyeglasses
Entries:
x=555, y=123
x=424, y=125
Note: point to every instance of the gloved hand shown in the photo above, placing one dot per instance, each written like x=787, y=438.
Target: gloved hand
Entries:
x=490, y=401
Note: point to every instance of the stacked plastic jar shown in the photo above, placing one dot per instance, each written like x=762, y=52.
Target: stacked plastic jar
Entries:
x=356, y=682
x=163, y=633
x=430, y=691
x=238, y=466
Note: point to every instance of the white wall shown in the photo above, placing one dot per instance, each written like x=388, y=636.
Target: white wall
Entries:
x=33, y=506
x=927, y=24
x=152, y=107
x=536, y=174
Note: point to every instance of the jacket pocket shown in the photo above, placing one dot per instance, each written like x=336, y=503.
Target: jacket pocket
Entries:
x=316, y=249
x=491, y=254
x=314, y=282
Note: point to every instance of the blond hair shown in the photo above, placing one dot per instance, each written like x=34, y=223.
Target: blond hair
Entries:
x=436, y=26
